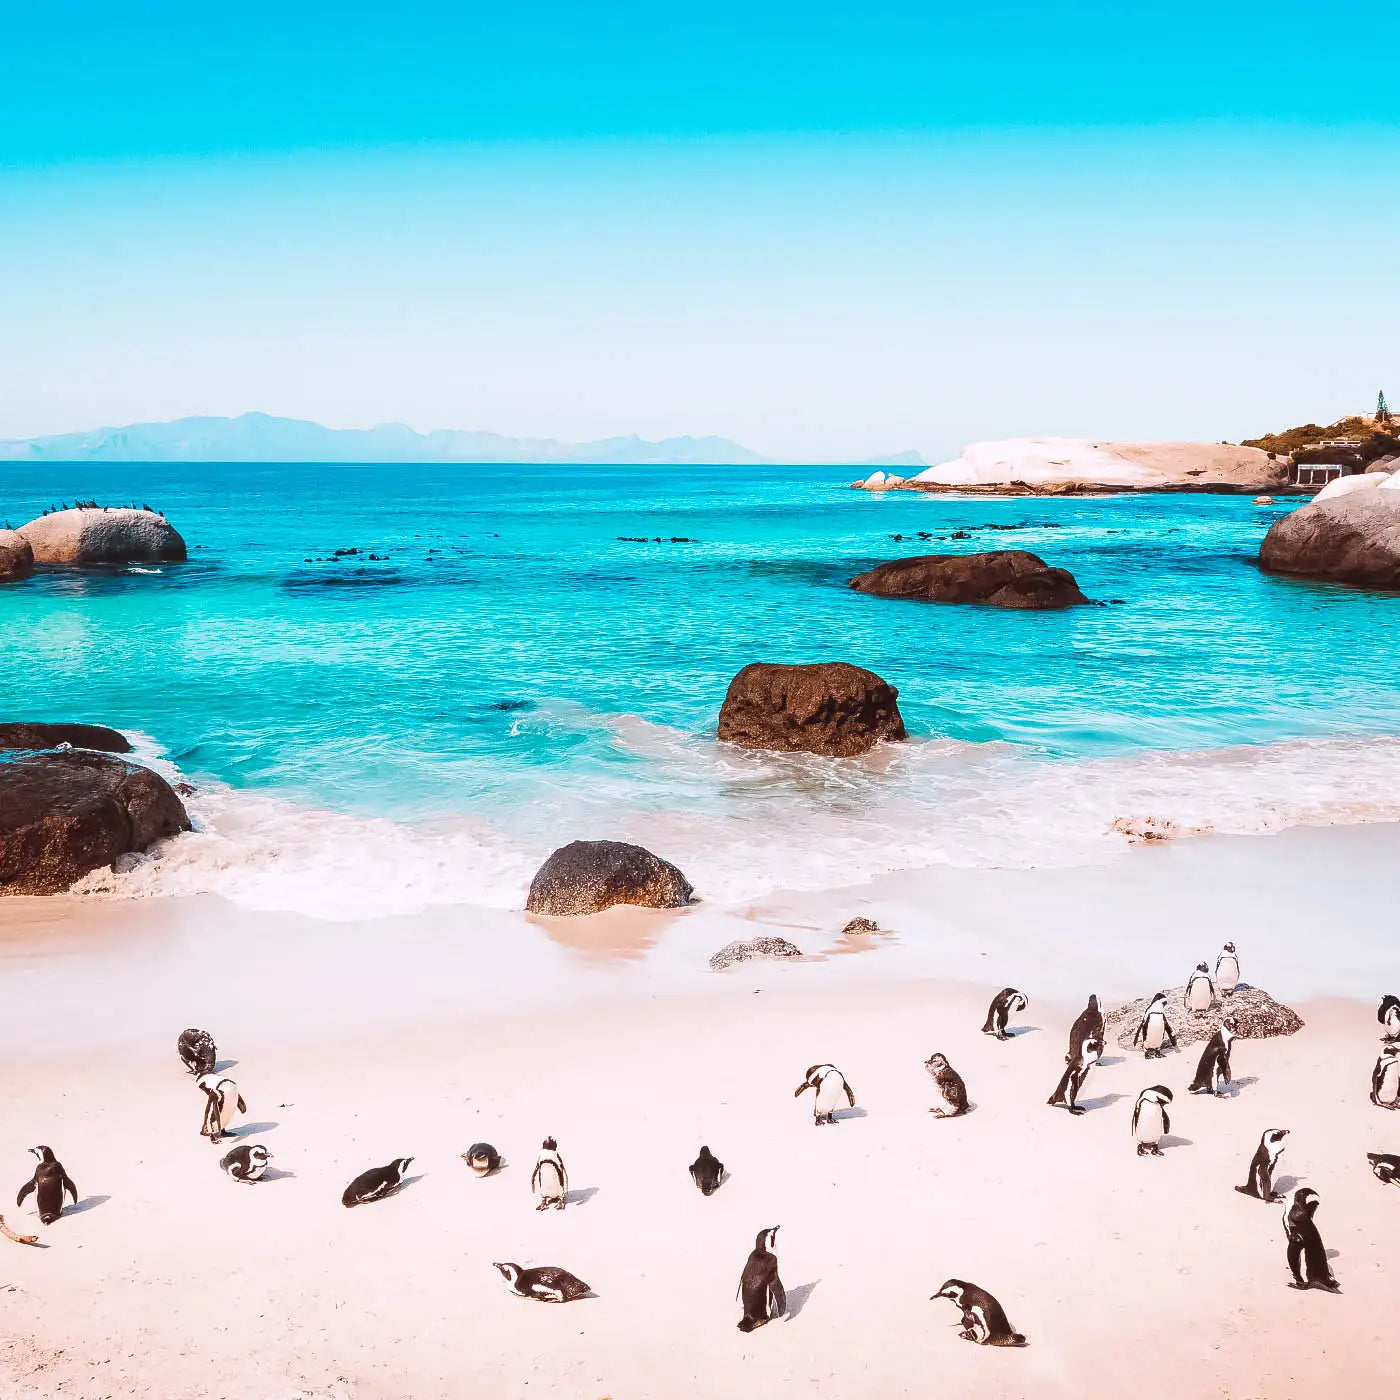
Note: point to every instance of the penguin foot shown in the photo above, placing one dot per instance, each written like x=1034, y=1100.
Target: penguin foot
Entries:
x=1076, y=1110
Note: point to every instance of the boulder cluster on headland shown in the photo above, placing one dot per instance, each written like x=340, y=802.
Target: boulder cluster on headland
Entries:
x=87, y=536
x=1001, y=578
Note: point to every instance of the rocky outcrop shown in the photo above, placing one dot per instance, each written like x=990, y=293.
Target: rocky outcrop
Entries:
x=1352, y=537
x=829, y=708
x=16, y=555
x=1002, y=578
x=747, y=950
x=36, y=735
x=64, y=814
x=92, y=535
x=586, y=877
x=860, y=925
x=1257, y=1016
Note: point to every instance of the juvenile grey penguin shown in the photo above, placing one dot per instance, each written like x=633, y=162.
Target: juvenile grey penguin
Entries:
x=1066, y=1093
x=1088, y=1025
x=1006, y=1001
x=1385, y=1078
x=1264, y=1165
x=376, y=1183
x=1154, y=1030
x=830, y=1085
x=1150, y=1120
x=222, y=1105
x=247, y=1162
x=1227, y=971
x=707, y=1171
x=1307, y=1259
x=1386, y=1166
x=1200, y=993
x=482, y=1158
x=549, y=1181
x=1388, y=1014
x=545, y=1284
x=952, y=1092
x=196, y=1051
x=760, y=1288
x=49, y=1183
x=984, y=1320
x=1214, y=1067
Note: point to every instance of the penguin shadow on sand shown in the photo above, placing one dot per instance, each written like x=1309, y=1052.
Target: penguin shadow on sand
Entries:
x=1233, y=1088
x=87, y=1203
x=1102, y=1101
x=1168, y=1140
x=223, y=1066
x=581, y=1197
x=247, y=1130
x=797, y=1297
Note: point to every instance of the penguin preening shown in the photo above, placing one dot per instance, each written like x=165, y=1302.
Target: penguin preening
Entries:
x=247, y=1162
x=707, y=1171
x=999, y=1012
x=196, y=1051
x=1154, y=1030
x=1385, y=1078
x=1150, y=1120
x=1066, y=1093
x=1388, y=1014
x=760, y=1288
x=951, y=1089
x=222, y=1105
x=830, y=1085
x=376, y=1183
x=1227, y=971
x=1214, y=1067
x=1263, y=1166
x=1307, y=1259
x=549, y=1180
x=1088, y=1025
x=1386, y=1166
x=545, y=1284
x=482, y=1158
x=49, y=1183
x=984, y=1320
x=1200, y=991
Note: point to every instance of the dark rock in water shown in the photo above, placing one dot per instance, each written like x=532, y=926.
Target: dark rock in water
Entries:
x=1353, y=538
x=586, y=877
x=185, y=789
x=91, y=535
x=1003, y=578
x=16, y=556
x=746, y=950
x=861, y=926
x=1258, y=1016
x=829, y=708
x=63, y=814
x=37, y=735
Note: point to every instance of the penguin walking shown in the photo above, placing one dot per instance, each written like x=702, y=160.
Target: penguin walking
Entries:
x=1154, y=1030
x=376, y=1183
x=1088, y=1025
x=247, y=1162
x=222, y=1105
x=482, y=1158
x=1227, y=971
x=984, y=1320
x=545, y=1284
x=707, y=1171
x=49, y=1183
x=830, y=1085
x=1200, y=991
x=1386, y=1166
x=1385, y=1078
x=196, y=1051
x=1213, y=1071
x=952, y=1092
x=1066, y=1093
x=1388, y=1014
x=1305, y=1244
x=1006, y=1001
x=1263, y=1166
x=1150, y=1120
x=760, y=1288
x=549, y=1181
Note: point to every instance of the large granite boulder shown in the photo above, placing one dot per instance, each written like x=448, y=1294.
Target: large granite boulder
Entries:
x=36, y=735
x=1347, y=538
x=586, y=877
x=829, y=708
x=16, y=555
x=63, y=814
x=1257, y=1017
x=94, y=535
x=1003, y=578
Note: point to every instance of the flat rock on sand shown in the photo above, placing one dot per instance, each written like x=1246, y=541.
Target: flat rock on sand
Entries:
x=586, y=877
x=747, y=950
x=23, y=734
x=1258, y=1014
x=1001, y=578
x=92, y=535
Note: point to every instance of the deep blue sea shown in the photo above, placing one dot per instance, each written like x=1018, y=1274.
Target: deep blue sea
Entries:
x=539, y=653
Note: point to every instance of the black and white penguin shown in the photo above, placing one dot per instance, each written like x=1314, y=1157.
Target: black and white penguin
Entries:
x=830, y=1085
x=1227, y=971
x=1388, y=1014
x=984, y=1320
x=1154, y=1030
x=1200, y=991
x=196, y=1051
x=1088, y=1025
x=1385, y=1078
x=545, y=1284
x=49, y=1183
x=1214, y=1067
x=222, y=1105
x=376, y=1183
x=482, y=1158
x=247, y=1162
x=952, y=1092
x=707, y=1171
x=1066, y=1093
x=1264, y=1165
x=1305, y=1244
x=1150, y=1121
x=760, y=1288
x=1386, y=1166
x=1006, y=1001
x=549, y=1181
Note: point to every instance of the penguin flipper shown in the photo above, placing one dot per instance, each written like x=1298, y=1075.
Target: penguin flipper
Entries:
x=850, y=1096
x=70, y=1188
x=777, y=1298
x=802, y=1088
x=24, y=1191
x=242, y=1107
x=1166, y=1121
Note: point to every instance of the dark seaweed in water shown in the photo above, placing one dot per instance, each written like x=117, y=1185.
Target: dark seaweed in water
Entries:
x=511, y=705
x=338, y=580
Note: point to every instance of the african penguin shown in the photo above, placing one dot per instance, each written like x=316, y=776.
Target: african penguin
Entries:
x=760, y=1288
x=830, y=1085
x=984, y=1320
x=376, y=1183
x=1154, y=1030
x=1066, y=1093
x=1150, y=1121
x=1305, y=1244
x=48, y=1183
x=952, y=1092
x=707, y=1171
x=222, y=1105
x=1385, y=1078
x=1264, y=1165
x=1386, y=1166
x=545, y=1284
x=196, y=1050
x=999, y=1012
x=247, y=1162
x=482, y=1158
x=1200, y=994
x=1388, y=1014
x=1227, y=971
x=1088, y=1025
x=549, y=1180
x=1213, y=1071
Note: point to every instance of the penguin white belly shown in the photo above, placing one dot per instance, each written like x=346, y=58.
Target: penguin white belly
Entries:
x=831, y=1094
x=1156, y=1032
x=1227, y=975
x=1150, y=1125
x=551, y=1185
x=1198, y=995
x=228, y=1111
x=1392, y=1023
x=1390, y=1084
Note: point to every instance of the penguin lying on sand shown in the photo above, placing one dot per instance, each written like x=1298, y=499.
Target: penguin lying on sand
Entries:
x=984, y=1320
x=999, y=1012
x=545, y=1284
x=1264, y=1165
x=707, y=1171
x=1150, y=1121
x=1305, y=1244
x=1388, y=1014
x=760, y=1288
x=222, y=1105
x=196, y=1051
x=1214, y=1067
x=1066, y=1093
x=376, y=1183
x=48, y=1183
x=482, y=1158
x=1386, y=1166
x=549, y=1180
x=1154, y=1030
x=247, y=1162
x=1385, y=1078
x=830, y=1085
x=952, y=1092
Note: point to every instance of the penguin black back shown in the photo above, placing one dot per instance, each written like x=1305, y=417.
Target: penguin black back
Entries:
x=1088, y=1025
x=49, y=1184
x=760, y=1288
x=707, y=1171
x=1265, y=1162
x=984, y=1320
x=1307, y=1259
x=999, y=1012
x=482, y=1158
x=376, y=1183
x=196, y=1051
x=1213, y=1069
x=1386, y=1166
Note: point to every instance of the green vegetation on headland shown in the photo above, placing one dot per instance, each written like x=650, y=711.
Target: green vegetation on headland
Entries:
x=1366, y=441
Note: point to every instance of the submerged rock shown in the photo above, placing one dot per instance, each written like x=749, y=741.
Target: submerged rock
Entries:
x=1002, y=578
x=746, y=950
x=16, y=555
x=37, y=735
x=586, y=877
x=92, y=535
x=1351, y=536
x=1258, y=1016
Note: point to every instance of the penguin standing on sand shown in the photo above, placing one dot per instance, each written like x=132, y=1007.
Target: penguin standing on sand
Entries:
x=549, y=1181
x=1386, y=1166
x=1305, y=1244
x=1385, y=1078
x=376, y=1183
x=482, y=1158
x=222, y=1105
x=49, y=1183
x=1066, y=1093
x=952, y=1092
x=545, y=1284
x=1264, y=1165
x=1200, y=993
x=1227, y=971
x=247, y=1162
x=1088, y=1025
x=707, y=1171
x=1150, y=1121
x=1006, y=1001
x=196, y=1051
x=1213, y=1071
x=1388, y=1014
x=1154, y=1030
x=831, y=1087
x=984, y=1320
x=760, y=1288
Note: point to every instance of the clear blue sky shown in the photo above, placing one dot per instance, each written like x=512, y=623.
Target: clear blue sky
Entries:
x=825, y=231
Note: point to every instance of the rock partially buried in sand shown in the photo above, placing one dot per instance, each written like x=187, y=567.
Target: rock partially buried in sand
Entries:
x=1257, y=1014
x=861, y=925
x=1143, y=831
x=16, y=556
x=829, y=708
x=1001, y=578
x=64, y=814
x=586, y=877
x=747, y=950
x=37, y=735
x=92, y=535
x=1350, y=537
